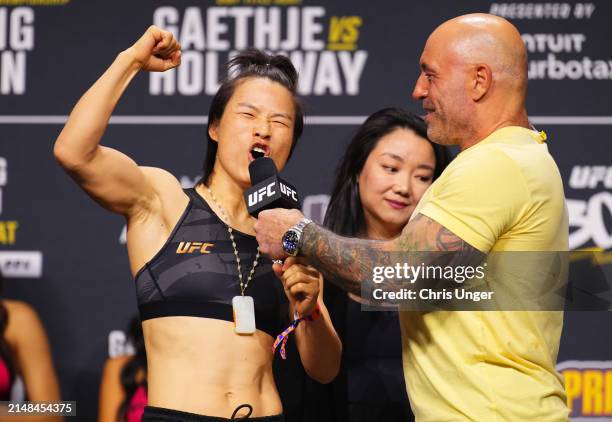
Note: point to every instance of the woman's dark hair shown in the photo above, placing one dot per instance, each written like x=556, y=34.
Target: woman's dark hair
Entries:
x=345, y=213
x=130, y=375
x=5, y=350
x=251, y=63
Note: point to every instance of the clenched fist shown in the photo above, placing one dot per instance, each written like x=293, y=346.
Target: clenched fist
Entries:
x=157, y=50
x=301, y=282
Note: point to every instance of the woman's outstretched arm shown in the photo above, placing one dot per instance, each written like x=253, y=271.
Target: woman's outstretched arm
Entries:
x=107, y=175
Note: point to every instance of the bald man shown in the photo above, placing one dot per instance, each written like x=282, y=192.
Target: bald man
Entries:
x=503, y=192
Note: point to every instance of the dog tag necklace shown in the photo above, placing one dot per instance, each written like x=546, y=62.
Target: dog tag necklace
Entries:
x=243, y=306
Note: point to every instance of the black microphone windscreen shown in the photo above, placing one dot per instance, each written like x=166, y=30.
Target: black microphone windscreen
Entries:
x=261, y=168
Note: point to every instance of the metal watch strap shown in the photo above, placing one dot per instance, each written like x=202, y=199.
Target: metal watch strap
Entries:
x=299, y=228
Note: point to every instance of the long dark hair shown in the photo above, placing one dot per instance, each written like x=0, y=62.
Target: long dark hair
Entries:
x=137, y=364
x=251, y=63
x=5, y=349
x=345, y=213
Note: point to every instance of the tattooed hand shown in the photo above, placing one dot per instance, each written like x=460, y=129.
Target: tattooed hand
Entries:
x=270, y=227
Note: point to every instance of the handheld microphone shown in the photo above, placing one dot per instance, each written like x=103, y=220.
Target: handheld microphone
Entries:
x=267, y=190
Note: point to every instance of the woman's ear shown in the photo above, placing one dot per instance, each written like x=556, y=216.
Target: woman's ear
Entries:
x=212, y=131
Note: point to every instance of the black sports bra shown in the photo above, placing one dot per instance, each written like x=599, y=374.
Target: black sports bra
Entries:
x=195, y=273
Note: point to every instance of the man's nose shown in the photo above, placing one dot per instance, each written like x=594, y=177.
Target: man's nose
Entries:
x=420, y=88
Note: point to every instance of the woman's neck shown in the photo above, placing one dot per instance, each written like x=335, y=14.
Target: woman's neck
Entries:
x=374, y=231
x=228, y=195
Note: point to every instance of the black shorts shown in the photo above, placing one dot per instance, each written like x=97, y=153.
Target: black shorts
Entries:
x=160, y=414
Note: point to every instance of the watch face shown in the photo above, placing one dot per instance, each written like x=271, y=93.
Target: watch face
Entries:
x=290, y=242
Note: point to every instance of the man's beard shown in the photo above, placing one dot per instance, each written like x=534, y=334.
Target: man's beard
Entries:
x=441, y=132
x=436, y=133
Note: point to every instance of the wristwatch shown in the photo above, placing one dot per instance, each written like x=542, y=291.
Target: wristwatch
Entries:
x=293, y=237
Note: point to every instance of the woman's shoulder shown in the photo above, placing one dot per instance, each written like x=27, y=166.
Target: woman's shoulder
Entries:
x=160, y=177
x=165, y=184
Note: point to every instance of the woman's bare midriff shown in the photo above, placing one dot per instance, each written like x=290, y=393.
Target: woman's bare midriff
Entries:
x=200, y=365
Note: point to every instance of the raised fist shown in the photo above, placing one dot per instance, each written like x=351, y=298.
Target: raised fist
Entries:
x=157, y=50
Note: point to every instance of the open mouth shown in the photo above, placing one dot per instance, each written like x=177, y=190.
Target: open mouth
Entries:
x=259, y=151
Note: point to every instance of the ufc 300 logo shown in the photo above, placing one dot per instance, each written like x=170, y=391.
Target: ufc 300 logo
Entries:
x=589, y=218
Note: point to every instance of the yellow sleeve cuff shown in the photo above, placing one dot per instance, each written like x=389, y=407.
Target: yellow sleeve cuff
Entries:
x=456, y=226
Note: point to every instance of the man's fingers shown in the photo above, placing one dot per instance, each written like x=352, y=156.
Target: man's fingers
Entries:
x=270, y=226
x=256, y=229
x=261, y=241
x=263, y=214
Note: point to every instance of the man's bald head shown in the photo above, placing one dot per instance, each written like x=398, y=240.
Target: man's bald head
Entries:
x=474, y=76
x=482, y=38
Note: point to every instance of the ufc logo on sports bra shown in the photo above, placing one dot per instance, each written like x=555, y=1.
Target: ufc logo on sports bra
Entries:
x=191, y=247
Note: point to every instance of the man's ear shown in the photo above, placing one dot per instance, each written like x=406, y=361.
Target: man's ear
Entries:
x=482, y=80
x=212, y=131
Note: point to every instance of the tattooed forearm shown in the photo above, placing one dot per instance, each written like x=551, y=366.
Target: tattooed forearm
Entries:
x=447, y=241
x=346, y=262
x=349, y=263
